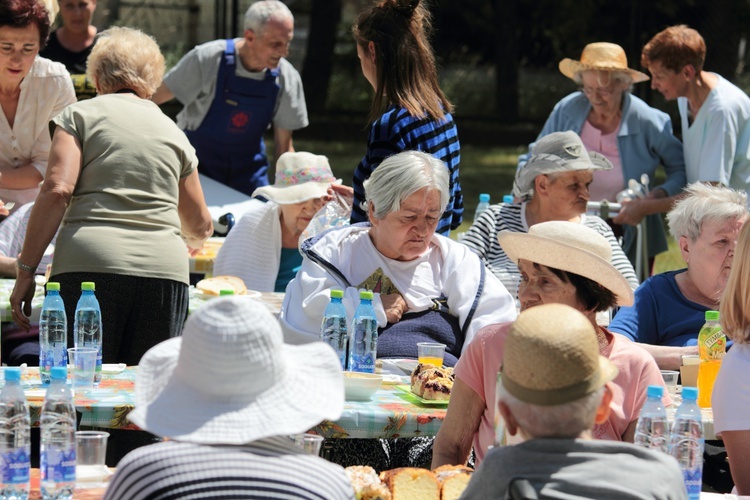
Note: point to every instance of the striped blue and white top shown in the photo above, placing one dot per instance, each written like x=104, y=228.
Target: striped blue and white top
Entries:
x=396, y=131
x=482, y=238
x=267, y=468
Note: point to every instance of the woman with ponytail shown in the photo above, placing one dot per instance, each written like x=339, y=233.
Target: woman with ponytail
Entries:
x=409, y=111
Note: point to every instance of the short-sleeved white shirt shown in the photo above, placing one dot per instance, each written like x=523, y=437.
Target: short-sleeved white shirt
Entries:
x=45, y=91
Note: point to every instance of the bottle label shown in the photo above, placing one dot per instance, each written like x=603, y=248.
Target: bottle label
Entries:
x=712, y=343
x=693, y=481
x=15, y=466
x=358, y=363
x=58, y=465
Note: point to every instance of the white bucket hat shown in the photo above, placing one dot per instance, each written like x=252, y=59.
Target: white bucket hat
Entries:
x=556, y=152
x=570, y=247
x=300, y=176
x=230, y=379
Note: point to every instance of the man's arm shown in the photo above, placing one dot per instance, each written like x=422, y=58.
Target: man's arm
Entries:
x=282, y=141
x=162, y=94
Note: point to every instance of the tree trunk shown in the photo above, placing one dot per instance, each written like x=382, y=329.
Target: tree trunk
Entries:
x=506, y=61
x=318, y=65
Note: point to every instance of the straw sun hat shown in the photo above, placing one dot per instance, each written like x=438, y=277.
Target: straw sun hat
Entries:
x=552, y=357
x=300, y=176
x=230, y=379
x=570, y=247
x=556, y=152
x=601, y=56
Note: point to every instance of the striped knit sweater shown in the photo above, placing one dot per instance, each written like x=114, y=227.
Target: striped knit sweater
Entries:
x=482, y=238
x=268, y=468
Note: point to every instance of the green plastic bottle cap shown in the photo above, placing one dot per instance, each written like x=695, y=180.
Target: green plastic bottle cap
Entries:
x=226, y=292
x=53, y=285
x=337, y=294
x=88, y=285
x=712, y=315
x=365, y=294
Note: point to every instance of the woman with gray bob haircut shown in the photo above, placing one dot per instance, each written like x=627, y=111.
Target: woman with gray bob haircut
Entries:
x=407, y=173
x=670, y=308
x=406, y=196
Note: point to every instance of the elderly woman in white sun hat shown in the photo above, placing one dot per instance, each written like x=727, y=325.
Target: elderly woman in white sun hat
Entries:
x=635, y=137
x=554, y=185
x=560, y=263
x=228, y=395
x=263, y=247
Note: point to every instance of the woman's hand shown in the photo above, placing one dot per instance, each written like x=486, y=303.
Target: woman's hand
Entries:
x=21, y=297
x=395, y=307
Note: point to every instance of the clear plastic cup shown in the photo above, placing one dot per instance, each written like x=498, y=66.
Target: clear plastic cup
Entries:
x=431, y=353
x=83, y=367
x=309, y=443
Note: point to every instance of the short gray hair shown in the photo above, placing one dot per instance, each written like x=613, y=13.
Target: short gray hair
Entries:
x=705, y=202
x=402, y=175
x=567, y=420
x=259, y=13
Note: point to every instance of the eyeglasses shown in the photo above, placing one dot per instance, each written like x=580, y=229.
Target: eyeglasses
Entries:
x=600, y=91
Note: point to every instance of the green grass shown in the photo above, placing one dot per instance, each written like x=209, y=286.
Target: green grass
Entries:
x=483, y=170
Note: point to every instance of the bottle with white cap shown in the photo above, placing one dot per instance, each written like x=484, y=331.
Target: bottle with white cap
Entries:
x=57, y=457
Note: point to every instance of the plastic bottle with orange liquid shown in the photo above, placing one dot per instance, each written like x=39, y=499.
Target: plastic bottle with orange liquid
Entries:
x=712, y=345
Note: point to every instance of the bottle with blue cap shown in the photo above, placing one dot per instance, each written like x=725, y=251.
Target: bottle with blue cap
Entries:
x=363, y=344
x=53, y=332
x=652, y=429
x=57, y=457
x=686, y=441
x=333, y=330
x=484, y=204
x=15, y=443
x=87, y=327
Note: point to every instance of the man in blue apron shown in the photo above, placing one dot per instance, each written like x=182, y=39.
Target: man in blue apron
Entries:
x=233, y=90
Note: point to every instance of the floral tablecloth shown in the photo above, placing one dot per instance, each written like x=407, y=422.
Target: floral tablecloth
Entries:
x=390, y=413
x=106, y=406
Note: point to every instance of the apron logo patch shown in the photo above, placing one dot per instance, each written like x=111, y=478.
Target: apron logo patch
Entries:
x=238, y=121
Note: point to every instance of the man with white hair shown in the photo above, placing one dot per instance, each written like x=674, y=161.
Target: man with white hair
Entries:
x=552, y=387
x=232, y=90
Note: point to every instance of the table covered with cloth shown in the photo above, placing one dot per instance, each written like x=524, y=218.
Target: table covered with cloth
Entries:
x=390, y=414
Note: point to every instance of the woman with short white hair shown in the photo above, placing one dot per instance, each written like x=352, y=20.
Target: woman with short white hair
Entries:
x=670, y=308
x=427, y=287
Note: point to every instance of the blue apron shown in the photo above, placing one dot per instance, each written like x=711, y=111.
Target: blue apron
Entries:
x=229, y=141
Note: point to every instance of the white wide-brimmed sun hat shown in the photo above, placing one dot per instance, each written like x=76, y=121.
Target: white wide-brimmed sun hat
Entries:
x=300, y=176
x=570, y=247
x=601, y=56
x=230, y=379
x=553, y=153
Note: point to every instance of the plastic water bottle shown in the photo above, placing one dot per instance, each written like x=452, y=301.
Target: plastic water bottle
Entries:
x=484, y=204
x=53, y=332
x=333, y=329
x=652, y=430
x=15, y=445
x=87, y=328
x=363, y=345
x=57, y=461
x=686, y=441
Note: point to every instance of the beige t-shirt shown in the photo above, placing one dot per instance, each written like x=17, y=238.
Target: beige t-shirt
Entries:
x=123, y=216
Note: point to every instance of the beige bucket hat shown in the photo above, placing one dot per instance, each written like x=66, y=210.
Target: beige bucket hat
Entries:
x=570, y=247
x=552, y=357
x=601, y=56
